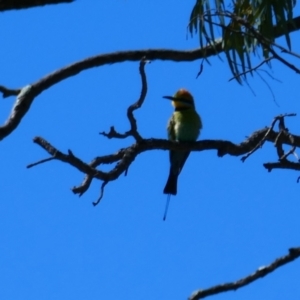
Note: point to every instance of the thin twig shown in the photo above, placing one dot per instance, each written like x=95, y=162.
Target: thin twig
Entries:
x=125, y=156
x=261, y=142
x=104, y=183
x=252, y=69
x=106, y=159
x=287, y=165
x=39, y=162
x=57, y=76
x=133, y=126
x=6, y=92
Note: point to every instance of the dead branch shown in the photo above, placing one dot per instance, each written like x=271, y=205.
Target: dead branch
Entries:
x=293, y=254
x=125, y=156
x=8, y=92
x=261, y=142
x=133, y=125
x=21, y=4
x=21, y=106
x=49, y=80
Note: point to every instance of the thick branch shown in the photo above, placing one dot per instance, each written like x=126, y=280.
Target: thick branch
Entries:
x=293, y=254
x=126, y=156
x=21, y=4
x=152, y=54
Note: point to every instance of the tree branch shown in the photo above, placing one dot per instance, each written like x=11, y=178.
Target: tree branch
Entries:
x=261, y=142
x=21, y=4
x=133, y=126
x=125, y=156
x=293, y=254
x=117, y=57
x=21, y=106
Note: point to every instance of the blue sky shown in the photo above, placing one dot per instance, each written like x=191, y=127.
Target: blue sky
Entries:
x=229, y=217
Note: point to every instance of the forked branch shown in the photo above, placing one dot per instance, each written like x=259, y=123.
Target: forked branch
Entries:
x=14, y=118
x=133, y=125
x=125, y=156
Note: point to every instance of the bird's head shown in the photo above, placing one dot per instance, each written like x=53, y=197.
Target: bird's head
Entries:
x=182, y=99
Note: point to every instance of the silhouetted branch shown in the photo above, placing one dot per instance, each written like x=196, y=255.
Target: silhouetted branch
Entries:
x=69, y=158
x=104, y=183
x=125, y=156
x=21, y=106
x=21, y=4
x=288, y=165
x=293, y=254
x=39, y=162
x=6, y=92
x=110, y=58
x=107, y=159
x=133, y=126
x=261, y=142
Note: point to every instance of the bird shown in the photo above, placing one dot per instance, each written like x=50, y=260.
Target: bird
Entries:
x=183, y=126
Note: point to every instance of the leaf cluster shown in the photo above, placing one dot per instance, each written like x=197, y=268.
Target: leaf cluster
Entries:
x=244, y=26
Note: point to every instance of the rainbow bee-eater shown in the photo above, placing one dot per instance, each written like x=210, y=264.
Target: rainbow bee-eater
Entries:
x=183, y=126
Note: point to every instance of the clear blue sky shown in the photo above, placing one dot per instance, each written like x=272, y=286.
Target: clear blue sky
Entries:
x=229, y=217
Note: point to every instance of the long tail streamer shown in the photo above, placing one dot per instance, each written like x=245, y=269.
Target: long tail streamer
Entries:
x=167, y=207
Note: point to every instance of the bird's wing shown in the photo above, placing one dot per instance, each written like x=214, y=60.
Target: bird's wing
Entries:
x=171, y=129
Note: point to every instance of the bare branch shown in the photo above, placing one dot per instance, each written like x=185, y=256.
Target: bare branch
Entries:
x=293, y=254
x=81, y=189
x=139, y=102
x=21, y=4
x=125, y=156
x=108, y=159
x=261, y=142
x=282, y=165
x=21, y=106
x=285, y=62
x=117, y=57
x=39, y=162
x=69, y=158
x=133, y=126
x=104, y=183
x=6, y=92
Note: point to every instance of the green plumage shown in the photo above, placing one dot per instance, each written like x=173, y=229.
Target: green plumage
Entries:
x=184, y=125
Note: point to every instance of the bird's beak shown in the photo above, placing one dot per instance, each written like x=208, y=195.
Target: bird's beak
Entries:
x=169, y=98
x=177, y=99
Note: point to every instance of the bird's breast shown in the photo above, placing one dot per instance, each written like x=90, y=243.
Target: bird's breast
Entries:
x=187, y=126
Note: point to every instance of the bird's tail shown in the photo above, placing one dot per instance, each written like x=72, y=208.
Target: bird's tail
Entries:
x=167, y=207
x=171, y=185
